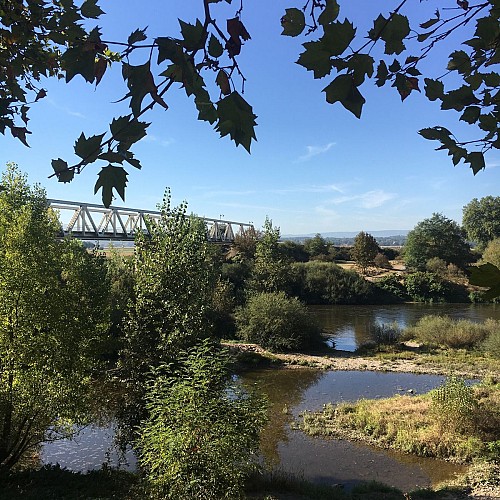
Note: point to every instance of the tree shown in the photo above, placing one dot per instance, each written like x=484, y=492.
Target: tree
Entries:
x=202, y=435
x=365, y=250
x=316, y=246
x=481, y=220
x=491, y=253
x=270, y=270
x=439, y=237
x=53, y=315
x=50, y=39
x=171, y=301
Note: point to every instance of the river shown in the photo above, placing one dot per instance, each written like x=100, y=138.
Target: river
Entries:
x=292, y=391
x=349, y=326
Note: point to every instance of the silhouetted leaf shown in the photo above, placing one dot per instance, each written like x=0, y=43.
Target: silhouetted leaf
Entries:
x=137, y=36
x=316, y=59
x=434, y=89
x=90, y=9
x=111, y=178
x=476, y=160
x=330, y=12
x=223, y=82
x=236, y=119
x=88, y=149
x=343, y=90
x=338, y=37
x=486, y=275
x=293, y=22
x=60, y=168
x=194, y=35
x=215, y=48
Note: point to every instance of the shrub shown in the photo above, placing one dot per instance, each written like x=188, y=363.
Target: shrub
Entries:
x=425, y=287
x=202, y=435
x=491, y=345
x=386, y=333
x=436, y=265
x=382, y=261
x=455, y=404
x=441, y=330
x=276, y=322
x=392, y=285
x=327, y=283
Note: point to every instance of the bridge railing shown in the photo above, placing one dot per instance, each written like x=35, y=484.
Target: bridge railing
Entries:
x=96, y=222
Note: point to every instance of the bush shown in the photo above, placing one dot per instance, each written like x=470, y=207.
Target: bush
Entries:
x=491, y=344
x=444, y=331
x=201, y=438
x=276, y=322
x=392, y=285
x=425, y=287
x=327, y=283
x=455, y=405
x=382, y=261
x=386, y=333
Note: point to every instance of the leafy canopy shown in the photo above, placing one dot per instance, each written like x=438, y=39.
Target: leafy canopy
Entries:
x=51, y=39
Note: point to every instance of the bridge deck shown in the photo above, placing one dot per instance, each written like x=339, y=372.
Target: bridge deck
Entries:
x=96, y=222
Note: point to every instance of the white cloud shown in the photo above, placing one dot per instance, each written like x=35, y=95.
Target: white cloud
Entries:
x=327, y=188
x=314, y=151
x=65, y=109
x=370, y=199
x=376, y=198
x=162, y=142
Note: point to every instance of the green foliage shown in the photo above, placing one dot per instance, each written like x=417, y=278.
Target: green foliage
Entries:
x=455, y=404
x=365, y=250
x=448, y=332
x=316, y=246
x=394, y=285
x=406, y=42
x=386, y=333
x=270, y=272
x=439, y=237
x=202, y=435
x=294, y=252
x=425, y=287
x=171, y=301
x=491, y=344
x=486, y=275
x=491, y=253
x=53, y=318
x=276, y=322
x=481, y=220
x=51, y=39
x=326, y=283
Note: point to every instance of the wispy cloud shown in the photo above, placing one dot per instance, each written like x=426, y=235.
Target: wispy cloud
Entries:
x=376, y=198
x=492, y=164
x=370, y=199
x=158, y=140
x=65, y=109
x=313, y=151
x=327, y=188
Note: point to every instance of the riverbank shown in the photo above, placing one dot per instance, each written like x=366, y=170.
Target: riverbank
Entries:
x=481, y=481
x=407, y=358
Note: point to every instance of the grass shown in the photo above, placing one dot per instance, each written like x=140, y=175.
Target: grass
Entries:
x=455, y=430
x=451, y=333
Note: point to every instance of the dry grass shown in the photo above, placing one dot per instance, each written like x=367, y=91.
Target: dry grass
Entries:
x=413, y=425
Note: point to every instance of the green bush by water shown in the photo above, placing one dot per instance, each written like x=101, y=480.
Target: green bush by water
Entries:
x=454, y=333
x=276, y=322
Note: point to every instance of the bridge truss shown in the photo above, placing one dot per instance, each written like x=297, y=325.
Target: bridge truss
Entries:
x=96, y=222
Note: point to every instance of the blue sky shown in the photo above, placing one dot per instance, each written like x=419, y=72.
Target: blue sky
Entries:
x=314, y=167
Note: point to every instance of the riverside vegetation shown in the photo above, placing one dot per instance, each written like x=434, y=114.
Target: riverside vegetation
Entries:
x=152, y=323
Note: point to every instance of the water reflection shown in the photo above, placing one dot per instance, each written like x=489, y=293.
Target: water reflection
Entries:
x=349, y=326
x=337, y=461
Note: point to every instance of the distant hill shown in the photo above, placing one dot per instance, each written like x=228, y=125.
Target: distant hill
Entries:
x=396, y=237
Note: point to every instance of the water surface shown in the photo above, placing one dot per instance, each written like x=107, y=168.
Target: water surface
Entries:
x=349, y=326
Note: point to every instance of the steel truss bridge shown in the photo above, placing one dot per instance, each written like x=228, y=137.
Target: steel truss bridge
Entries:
x=96, y=222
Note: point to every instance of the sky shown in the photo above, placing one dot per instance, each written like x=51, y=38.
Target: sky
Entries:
x=315, y=168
